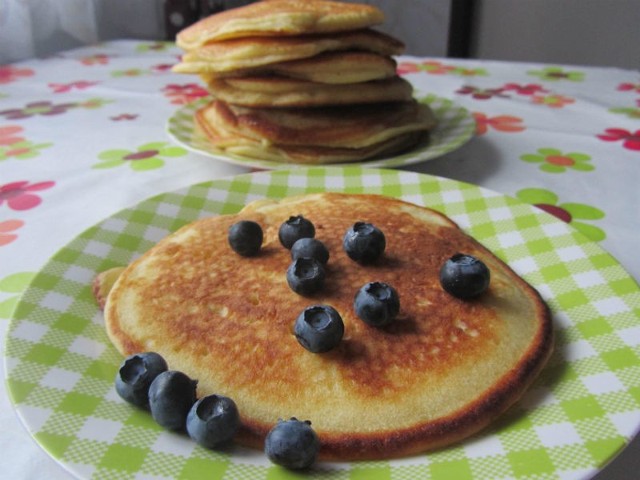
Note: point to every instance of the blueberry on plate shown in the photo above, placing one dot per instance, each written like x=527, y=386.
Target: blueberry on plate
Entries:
x=364, y=242
x=294, y=229
x=245, y=238
x=135, y=376
x=213, y=421
x=377, y=304
x=292, y=444
x=464, y=276
x=171, y=396
x=310, y=247
x=319, y=328
x=305, y=276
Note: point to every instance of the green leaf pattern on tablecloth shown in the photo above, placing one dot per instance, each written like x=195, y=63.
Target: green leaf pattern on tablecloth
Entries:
x=436, y=67
x=47, y=108
x=631, y=112
x=556, y=74
x=149, y=156
x=552, y=160
x=154, y=47
x=572, y=213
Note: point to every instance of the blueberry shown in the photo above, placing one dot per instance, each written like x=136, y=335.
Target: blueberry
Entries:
x=294, y=229
x=171, y=396
x=377, y=304
x=305, y=276
x=364, y=242
x=464, y=276
x=319, y=328
x=213, y=421
x=135, y=376
x=292, y=444
x=245, y=238
x=310, y=247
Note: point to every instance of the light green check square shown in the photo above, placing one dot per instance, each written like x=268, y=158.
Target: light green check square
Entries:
x=458, y=469
x=141, y=216
x=123, y=458
x=102, y=370
x=19, y=391
x=594, y=327
x=54, y=443
x=45, y=354
x=602, y=449
x=210, y=468
x=531, y=462
x=572, y=299
x=79, y=404
x=582, y=408
x=370, y=473
x=484, y=230
x=620, y=358
x=71, y=323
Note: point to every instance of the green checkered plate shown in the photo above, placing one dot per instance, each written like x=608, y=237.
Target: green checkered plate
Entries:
x=581, y=411
x=455, y=127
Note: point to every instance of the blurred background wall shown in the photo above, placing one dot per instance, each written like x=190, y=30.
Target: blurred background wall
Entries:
x=582, y=32
x=588, y=32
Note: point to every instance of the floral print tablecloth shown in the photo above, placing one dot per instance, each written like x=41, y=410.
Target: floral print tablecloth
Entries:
x=82, y=136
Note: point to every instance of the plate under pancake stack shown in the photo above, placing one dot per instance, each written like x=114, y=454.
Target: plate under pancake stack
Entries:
x=302, y=81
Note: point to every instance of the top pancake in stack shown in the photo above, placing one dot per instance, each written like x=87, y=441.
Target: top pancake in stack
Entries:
x=275, y=60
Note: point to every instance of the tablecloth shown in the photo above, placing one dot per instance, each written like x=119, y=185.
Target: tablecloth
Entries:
x=82, y=136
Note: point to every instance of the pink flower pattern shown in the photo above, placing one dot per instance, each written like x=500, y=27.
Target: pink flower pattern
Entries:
x=67, y=87
x=630, y=140
x=184, y=94
x=7, y=229
x=19, y=195
x=9, y=73
x=8, y=135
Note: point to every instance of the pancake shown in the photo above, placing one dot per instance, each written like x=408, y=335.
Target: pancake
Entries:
x=266, y=91
x=330, y=67
x=254, y=52
x=349, y=126
x=279, y=17
x=233, y=144
x=250, y=136
x=442, y=371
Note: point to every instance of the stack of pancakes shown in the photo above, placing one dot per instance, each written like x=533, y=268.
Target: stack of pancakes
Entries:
x=302, y=81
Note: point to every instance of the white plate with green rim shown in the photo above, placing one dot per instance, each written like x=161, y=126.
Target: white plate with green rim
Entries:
x=456, y=126
x=582, y=410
